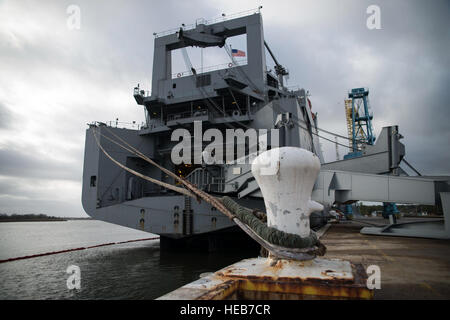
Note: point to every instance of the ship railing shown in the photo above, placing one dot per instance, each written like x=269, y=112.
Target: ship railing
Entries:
x=205, y=181
x=234, y=15
x=203, y=113
x=120, y=124
x=139, y=92
x=217, y=184
x=184, y=115
x=153, y=123
x=199, y=177
x=293, y=88
x=210, y=68
x=222, y=18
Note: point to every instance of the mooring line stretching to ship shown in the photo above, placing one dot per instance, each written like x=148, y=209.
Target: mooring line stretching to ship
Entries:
x=280, y=244
x=240, y=96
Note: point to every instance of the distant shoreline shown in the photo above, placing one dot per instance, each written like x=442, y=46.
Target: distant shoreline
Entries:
x=31, y=220
x=40, y=219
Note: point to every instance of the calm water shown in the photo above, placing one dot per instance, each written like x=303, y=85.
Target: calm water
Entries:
x=126, y=271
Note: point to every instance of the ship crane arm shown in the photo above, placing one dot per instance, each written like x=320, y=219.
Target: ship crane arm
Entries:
x=279, y=69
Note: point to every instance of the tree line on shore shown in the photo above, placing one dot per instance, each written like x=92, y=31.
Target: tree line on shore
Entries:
x=28, y=217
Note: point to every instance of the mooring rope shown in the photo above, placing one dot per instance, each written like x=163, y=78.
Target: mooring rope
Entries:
x=280, y=243
x=269, y=234
x=194, y=191
x=140, y=175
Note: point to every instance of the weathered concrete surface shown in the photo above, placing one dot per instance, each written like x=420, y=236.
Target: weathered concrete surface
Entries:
x=411, y=268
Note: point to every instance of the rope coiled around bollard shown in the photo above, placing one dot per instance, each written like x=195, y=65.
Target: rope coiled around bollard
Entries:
x=270, y=234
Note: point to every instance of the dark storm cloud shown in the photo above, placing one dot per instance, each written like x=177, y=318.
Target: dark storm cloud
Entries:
x=31, y=163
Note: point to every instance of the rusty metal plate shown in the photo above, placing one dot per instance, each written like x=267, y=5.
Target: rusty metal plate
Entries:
x=286, y=279
x=289, y=270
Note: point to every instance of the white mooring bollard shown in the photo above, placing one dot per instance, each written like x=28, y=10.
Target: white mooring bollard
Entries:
x=286, y=178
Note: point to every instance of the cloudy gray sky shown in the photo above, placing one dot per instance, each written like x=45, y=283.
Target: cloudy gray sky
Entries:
x=54, y=80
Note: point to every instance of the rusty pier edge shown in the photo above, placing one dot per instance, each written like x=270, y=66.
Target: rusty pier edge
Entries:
x=255, y=279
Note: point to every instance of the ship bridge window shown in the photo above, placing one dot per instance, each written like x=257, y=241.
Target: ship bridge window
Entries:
x=93, y=181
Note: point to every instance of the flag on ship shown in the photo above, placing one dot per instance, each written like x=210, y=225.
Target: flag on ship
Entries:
x=237, y=53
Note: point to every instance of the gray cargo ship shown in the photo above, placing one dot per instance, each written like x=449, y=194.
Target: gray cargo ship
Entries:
x=238, y=96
